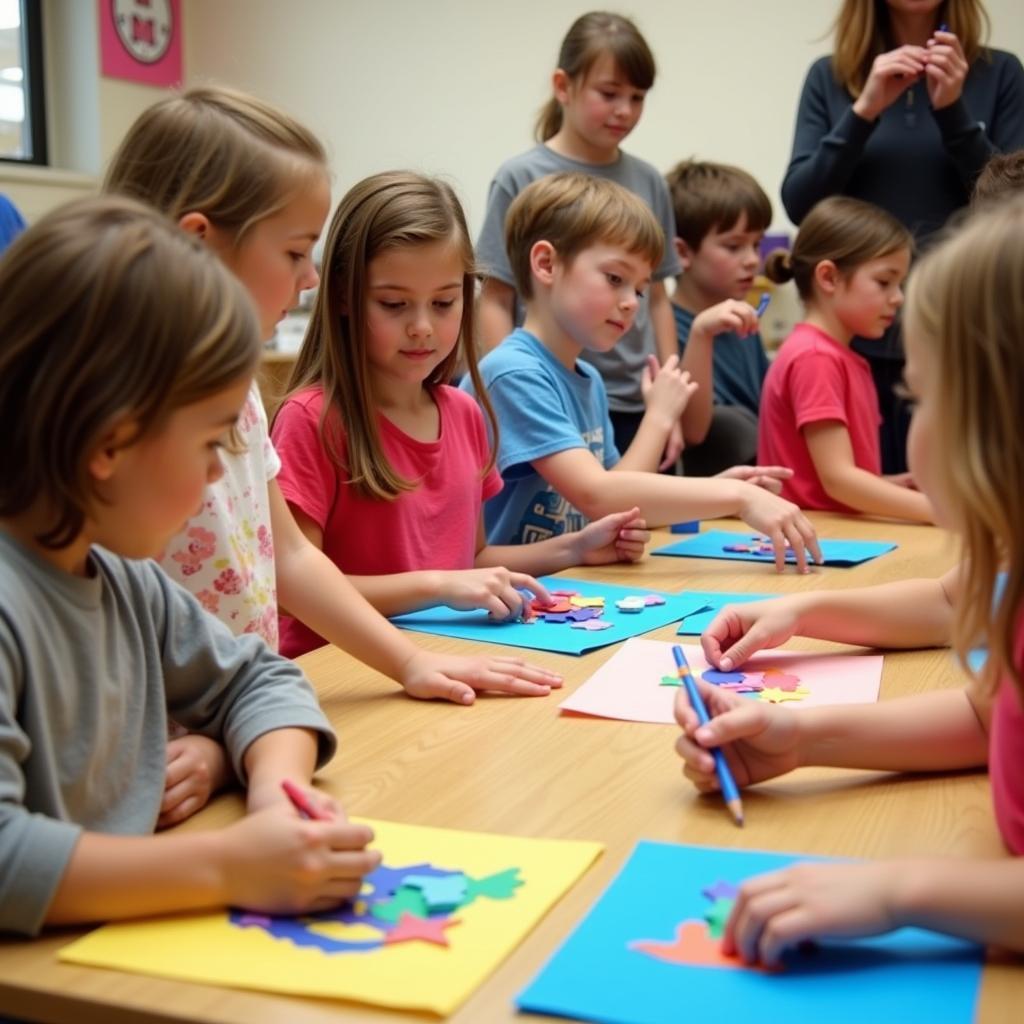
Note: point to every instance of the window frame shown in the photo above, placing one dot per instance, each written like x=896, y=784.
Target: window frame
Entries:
x=33, y=85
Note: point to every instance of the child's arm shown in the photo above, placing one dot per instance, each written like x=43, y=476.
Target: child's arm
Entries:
x=666, y=389
x=577, y=475
x=731, y=315
x=496, y=312
x=829, y=445
x=345, y=611
x=663, y=321
x=906, y=613
x=979, y=900
x=620, y=537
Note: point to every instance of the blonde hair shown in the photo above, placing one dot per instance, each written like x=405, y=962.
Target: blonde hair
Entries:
x=574, y=211
x=109, y=314
x=965, y=302
x=589, y=38
x=849, y=232
x=861, y=32
x=218, y=152
x=708, y=196
x=397, y=209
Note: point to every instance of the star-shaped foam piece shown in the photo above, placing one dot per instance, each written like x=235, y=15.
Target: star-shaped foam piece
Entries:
x=500, y=886
x=631, y=605
x=653, y=599
x=670, y=681
x=593, y=625
x=442, y=895
x=582, y=614
x=773, y=695
x=716, y=915
x=717, y=678
x=720, y=891
x=405, y=901
x=420, y=929
x=579, y=601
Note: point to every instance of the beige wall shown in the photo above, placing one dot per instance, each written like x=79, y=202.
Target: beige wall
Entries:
x=451, y=86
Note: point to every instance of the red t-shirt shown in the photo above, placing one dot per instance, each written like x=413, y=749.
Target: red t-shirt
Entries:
x=1006, y=756
x=433, y=526
x=814, y=379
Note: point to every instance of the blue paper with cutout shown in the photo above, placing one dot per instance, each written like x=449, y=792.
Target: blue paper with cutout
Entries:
x=714, y=544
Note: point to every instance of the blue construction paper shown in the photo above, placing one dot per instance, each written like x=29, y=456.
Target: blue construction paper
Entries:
x=712, y=602
x=911, y=976
x=557, y=637
x=842, y=553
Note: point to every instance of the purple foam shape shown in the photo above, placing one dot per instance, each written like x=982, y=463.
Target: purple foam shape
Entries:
x=717, y=678
x=720, y=891
x=593, y=625
x=561, y=617
x=584, y=614
x=652, y=599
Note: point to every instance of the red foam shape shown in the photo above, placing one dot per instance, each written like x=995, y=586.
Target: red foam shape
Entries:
x=411, y=928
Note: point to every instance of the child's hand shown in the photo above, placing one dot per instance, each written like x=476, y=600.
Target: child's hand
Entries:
x=783, y=523
x=495, y=589
x=666, y=389
x=759, y=740
x=457, y=678
x=196, y=768
x=276, y=862
x=620, y=537
x=739, y=631
x=731, y=315
x=768, y=477
x=901, y=480
x=778, y=911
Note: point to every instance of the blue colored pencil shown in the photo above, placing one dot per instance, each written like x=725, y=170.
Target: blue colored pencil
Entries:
x=762, y=303
x=730, y=791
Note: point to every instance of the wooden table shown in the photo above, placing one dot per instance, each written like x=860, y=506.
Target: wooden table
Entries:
x=516, y=766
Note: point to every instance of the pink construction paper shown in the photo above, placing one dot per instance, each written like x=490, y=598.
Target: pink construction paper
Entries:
x=628, y=685
x=140, y=40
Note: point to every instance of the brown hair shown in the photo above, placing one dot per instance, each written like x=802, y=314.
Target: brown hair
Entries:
x=218, y=152
x=574, y=211
x=861, y=32
x=1001, y=177
x=965, y=303
x=849, y=232
x=590, y=37
x=710, y=197
x=387, y=211
x=109, y=314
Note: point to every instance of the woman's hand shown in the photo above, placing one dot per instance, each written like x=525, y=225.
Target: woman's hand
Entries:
x=891, y=74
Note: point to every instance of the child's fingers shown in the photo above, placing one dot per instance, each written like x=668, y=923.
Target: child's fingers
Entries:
x=179, y=812
x=178, y=771
x=525, y=670
x=698, y=764
x=498, y=682
x=521, y=581
x=345, y=837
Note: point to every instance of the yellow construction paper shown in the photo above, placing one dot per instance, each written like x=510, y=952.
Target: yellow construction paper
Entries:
x=208, y=948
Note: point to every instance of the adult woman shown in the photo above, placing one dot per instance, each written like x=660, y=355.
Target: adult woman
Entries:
x=904, y=114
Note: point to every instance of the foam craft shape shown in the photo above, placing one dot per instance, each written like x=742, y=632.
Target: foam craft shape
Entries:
x=414, y=974
x=707, y=604
x=628, y=686
x=643, y=956
x=712, y=544
x=557, y=637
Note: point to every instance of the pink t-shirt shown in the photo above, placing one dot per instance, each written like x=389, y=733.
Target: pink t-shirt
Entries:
x=431, y=527
x=813, y=379
x=1006, y=755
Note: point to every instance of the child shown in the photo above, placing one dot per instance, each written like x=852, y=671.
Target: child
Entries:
x=721, y=215
x=583, y=250
x=819, y=408
x=386, y=467
x=252, y=183
x=962, y=332
x=605, y=68
x=1003, y=175
x=127, y=353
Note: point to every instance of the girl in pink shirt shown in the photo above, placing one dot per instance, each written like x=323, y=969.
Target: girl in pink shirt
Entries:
x=819, y=408
x=385, y=466
x=963, y=332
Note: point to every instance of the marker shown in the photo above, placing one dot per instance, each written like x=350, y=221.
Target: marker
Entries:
x=729, y=790
x=302, y=803
x=762, y=303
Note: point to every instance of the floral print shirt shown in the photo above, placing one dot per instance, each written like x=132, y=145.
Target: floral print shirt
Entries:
x=224, y=555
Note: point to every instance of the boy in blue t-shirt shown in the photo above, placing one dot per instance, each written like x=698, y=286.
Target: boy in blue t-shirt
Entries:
x=721, y=216
x=582, y=250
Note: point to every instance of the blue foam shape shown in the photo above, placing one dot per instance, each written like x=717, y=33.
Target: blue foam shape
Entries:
x=712, y=602
x=692, y=526
x=911, y=976
x=710, y=544
x=560, y=639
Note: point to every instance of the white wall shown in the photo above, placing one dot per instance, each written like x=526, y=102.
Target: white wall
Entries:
x=452, y=86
